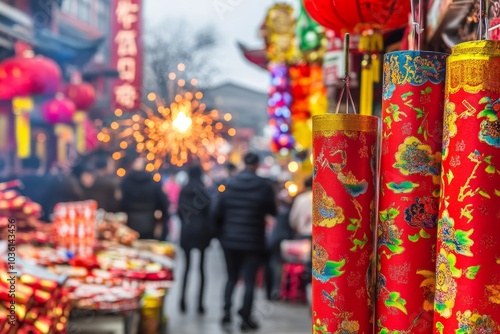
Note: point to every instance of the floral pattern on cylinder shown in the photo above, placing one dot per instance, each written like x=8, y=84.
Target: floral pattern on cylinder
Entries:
x=468, y=245
x=410, y=169
x=343, y=223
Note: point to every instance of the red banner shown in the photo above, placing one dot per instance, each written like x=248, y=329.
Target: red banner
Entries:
x=126, y=53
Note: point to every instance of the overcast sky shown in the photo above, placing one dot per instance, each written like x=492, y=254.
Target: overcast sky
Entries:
x=234, y=20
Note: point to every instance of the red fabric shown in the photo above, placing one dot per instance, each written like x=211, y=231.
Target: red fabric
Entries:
x=292, y=282
x=343, y=216
x=412, y=113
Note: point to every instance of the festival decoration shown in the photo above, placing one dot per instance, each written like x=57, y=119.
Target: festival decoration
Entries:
x=343, y=222
x=467, y=298
x=410, y=169
x=279, y=108
x=311, y=36
x=279, y=34
x=83, y=95
x=178, y=133
x=60, y=111
x=46, y=75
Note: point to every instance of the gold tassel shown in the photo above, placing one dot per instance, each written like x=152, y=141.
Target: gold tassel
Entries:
x=21, y=108
x=64, y=134
x=41, y=151
x=4, y=132
x=366, y=86
x=79, y=119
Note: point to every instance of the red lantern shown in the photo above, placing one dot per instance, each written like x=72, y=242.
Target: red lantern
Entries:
x=58, y=110
x=356, y=16
x=15, y=78
x=46, y=75
x=82, y=94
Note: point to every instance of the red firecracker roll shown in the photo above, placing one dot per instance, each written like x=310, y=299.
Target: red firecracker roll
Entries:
x=410, y=169
x=467, y=298
x=343, y=222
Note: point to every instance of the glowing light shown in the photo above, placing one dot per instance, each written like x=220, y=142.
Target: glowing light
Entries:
x=288, y=184
x=219, y=126
x=118, y=112
x=150, y=167
x=221, y=188
x=199, y=95
x=123, y=145
x=228, y=117
x=157, y=177
x=116, y=156
x=182, y=122
x=181, y=67
x=100, y=136
x=172, y=76
x=136, y=127
x=182, y=82
x=150, y=156
x=115, y=125
x=121, y=172
x=106, y=138
x=293, y=189
x=221, y=159
x=231, y=132
x=136, y=118
x=293, y=167
x=151, y=96
x=194, y=82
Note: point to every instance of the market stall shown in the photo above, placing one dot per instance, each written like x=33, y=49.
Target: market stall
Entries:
x=86, y=271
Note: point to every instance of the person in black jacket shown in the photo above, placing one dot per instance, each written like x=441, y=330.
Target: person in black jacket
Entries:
x=141, y=198
x=193, y=211
x=239, y=216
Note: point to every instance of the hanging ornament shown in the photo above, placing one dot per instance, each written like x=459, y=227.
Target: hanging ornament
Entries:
x=344, y=147
x=312, y=40
x=467, y=298
x=279, y=104
x=279, y=34
x=60, y=112
x=412, y=113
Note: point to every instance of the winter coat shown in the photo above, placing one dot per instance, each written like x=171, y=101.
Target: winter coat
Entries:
x=141, y=197
x=239, y=212
x=103, y=191
x=193, y=211
x=281, y=231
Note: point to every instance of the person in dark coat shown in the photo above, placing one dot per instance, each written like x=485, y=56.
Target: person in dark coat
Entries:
x=97, y=185
x=239, y=215
x=193, y=211
x=141, y=198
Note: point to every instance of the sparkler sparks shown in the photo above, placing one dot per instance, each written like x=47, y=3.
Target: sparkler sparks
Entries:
x=182, y=131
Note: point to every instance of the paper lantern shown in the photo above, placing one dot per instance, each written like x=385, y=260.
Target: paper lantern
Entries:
x=82, y=94
x=356, y=16
x=343, y=222
x=58, y=110
x=46, y=75
x=15, y=77
x=467, y=298
x=410, y=169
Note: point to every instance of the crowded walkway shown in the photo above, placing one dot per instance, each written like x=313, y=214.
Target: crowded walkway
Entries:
x=275, y=317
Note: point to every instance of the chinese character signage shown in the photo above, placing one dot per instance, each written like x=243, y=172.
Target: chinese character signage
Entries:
x=126, y=53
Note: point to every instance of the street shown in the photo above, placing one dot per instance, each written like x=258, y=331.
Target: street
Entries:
x=275, y=317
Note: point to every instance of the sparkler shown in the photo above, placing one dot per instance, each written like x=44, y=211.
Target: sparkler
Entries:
x=181, y=131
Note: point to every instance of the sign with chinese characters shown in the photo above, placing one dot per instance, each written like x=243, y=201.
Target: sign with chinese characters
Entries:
x=126, y=54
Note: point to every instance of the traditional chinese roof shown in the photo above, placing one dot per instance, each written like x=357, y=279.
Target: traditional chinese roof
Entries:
x=257, y=56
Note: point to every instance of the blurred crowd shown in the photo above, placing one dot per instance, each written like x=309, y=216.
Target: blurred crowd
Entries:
x=251, y=217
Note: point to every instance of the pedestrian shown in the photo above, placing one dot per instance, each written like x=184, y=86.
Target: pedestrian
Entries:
x=141, y=198
x=172, y=189
x=239, y=217
x=99, y=186
x=280, y=231
x=301, y=213
x=193, y=211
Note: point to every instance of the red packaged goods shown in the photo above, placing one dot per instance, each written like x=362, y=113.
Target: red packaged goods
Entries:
x=37, y=283
x=42, y=297
x=44, y=325
x=32, y=315
x=9, y=194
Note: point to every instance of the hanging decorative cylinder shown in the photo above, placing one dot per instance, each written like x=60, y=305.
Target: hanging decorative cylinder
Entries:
x=344, y=203
x=410, y=167
x=467, y=297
